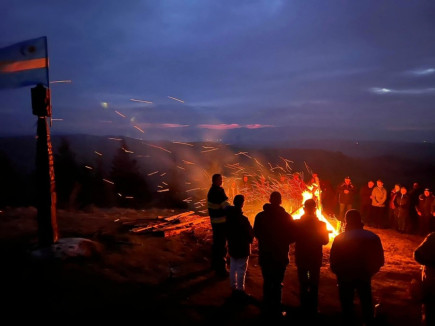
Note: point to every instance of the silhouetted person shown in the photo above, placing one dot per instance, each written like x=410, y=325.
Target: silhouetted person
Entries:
x=424, y=211
x=356, y=256
x=365, y=196
x=274, y=230
x=402, y=202
x=327, y=197
x=315, y=189
x=425, y=255
x=240, y=236
x=345, y=192
x=311, y=235
x=216, y=203
x=413, y=193
x=392, y=207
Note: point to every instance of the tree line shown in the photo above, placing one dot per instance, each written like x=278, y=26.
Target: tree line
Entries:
x=81, y=185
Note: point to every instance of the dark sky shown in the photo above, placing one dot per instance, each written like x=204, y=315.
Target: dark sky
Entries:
x=353, y=69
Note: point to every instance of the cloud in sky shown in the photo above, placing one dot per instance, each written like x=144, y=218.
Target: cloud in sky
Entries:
x=383, y=91
x=221, y=126
x=423, y=72
x=226, y=65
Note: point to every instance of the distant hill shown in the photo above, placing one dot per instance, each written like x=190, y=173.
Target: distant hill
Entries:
x=332, y=159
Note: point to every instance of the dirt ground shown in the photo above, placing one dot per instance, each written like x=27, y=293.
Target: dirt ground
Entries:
x=139, y=278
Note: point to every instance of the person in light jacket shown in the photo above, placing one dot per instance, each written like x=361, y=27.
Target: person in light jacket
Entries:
x=379, y=197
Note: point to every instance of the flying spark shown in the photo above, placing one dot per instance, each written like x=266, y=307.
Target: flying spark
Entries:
x=119, y=113
x=163, y=149
x=187, y=162
x=210, y=150
x=127, y=151
x=61, y=81
x=142, y=101
x=258, y=162
x=181, y=143
x=243, y=153
x=189, y=190
x=139, y=129
x=176, y=99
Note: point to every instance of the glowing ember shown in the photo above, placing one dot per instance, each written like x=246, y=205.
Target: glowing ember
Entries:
x=257, y=187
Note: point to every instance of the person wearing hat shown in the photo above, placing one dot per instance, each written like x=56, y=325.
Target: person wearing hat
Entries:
x=311, y=235
x=346, y=192
x=424, y=211
x=356, y=256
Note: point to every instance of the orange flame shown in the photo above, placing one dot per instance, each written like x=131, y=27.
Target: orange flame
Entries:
x=297, y=215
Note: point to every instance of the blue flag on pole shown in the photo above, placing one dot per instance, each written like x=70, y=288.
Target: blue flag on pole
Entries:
x=24, y=64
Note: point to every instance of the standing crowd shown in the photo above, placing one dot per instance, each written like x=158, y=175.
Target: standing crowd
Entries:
x=356, y=254
x=405, y=210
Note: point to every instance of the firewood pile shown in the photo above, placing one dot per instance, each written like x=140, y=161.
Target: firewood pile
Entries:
x=168, y=226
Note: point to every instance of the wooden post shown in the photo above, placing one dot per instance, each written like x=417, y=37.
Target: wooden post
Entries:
x=45, y=179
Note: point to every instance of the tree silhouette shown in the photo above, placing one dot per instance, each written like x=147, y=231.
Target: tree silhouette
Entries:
x=174, y=197
x=95, y=189
x=66, y=173
x=15, y=187
x=130, y=187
